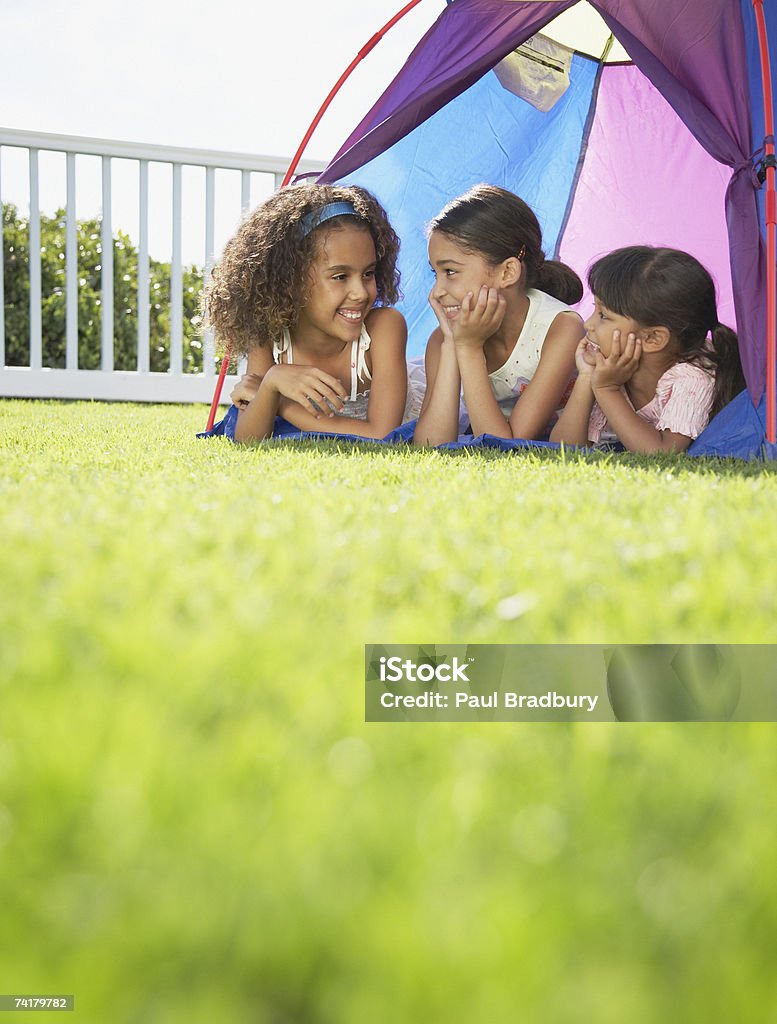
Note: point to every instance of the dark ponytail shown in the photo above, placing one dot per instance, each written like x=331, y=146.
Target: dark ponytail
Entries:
x=670, y=288
x=729, y=378
x=497, y=224
x=558, y=280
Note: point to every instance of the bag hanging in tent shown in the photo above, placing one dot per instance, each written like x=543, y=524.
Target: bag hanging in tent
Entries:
x=538, y=72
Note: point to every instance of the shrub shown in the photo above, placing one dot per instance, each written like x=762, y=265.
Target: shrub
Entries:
x=16, y=269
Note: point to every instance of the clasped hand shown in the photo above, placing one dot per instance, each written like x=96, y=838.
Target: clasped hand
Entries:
x=611, y=371
x=245, y=390
x=307, y=386
x=477, y=320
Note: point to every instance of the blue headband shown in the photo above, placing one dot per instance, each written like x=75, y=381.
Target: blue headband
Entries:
x=312, y=220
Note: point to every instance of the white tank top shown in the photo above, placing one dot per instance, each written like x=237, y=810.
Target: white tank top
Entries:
x=355, y=406
x=511, y=378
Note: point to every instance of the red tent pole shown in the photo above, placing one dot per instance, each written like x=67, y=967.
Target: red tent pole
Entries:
x=771, y=227
x=218, y=389
x=368, y=46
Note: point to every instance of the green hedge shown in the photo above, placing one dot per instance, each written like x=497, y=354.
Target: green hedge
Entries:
x=16, y=271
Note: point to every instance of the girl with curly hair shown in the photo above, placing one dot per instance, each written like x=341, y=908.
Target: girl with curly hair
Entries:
x=304, y=289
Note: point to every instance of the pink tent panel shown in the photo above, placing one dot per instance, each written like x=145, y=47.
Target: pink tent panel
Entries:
x=637, y=144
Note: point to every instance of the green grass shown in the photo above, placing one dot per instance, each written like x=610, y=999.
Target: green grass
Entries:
x=197, y=825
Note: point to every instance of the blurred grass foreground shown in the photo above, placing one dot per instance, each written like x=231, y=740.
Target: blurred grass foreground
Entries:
x=196, y=824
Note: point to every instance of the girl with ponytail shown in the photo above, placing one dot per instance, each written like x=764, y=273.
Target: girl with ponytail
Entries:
x=656, y=364
x=506, y=331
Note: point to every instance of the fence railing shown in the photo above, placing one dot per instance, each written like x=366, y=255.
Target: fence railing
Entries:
x=140, y=384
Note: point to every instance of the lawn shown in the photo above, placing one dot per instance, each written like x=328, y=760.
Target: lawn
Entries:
x=197, y=825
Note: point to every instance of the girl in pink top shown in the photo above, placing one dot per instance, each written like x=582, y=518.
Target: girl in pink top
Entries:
x=656, y=364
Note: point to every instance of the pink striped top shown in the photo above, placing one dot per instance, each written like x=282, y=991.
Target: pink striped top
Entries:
x=681, y=404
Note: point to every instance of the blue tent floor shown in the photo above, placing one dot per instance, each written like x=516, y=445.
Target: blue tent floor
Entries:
x=737, y=432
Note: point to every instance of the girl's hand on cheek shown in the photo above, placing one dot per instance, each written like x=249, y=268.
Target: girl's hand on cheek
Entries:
x=479, y=317
x=442, y=319
x=585, y=358
x=619, y=366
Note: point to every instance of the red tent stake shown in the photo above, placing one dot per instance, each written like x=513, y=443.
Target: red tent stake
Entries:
x=368, y=46
x=771, y=228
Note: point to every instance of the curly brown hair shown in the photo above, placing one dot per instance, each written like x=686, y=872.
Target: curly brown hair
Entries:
x=260, y=284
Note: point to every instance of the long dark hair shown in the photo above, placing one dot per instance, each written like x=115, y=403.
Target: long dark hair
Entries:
x=497, y=224
x=670, y=288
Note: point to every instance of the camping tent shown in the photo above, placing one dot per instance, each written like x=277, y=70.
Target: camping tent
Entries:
x=626, y=122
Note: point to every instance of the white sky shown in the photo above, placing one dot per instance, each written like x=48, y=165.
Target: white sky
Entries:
x=226, y=74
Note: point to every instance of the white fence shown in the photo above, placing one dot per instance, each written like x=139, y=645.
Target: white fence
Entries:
x=140, y=384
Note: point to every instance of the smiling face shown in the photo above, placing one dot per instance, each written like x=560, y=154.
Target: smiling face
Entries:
x=342, y=288
x=457, y=272
x=602, y=322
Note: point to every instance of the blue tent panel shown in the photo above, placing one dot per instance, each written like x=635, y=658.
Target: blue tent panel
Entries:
x=739, y=430
x=530, y=153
